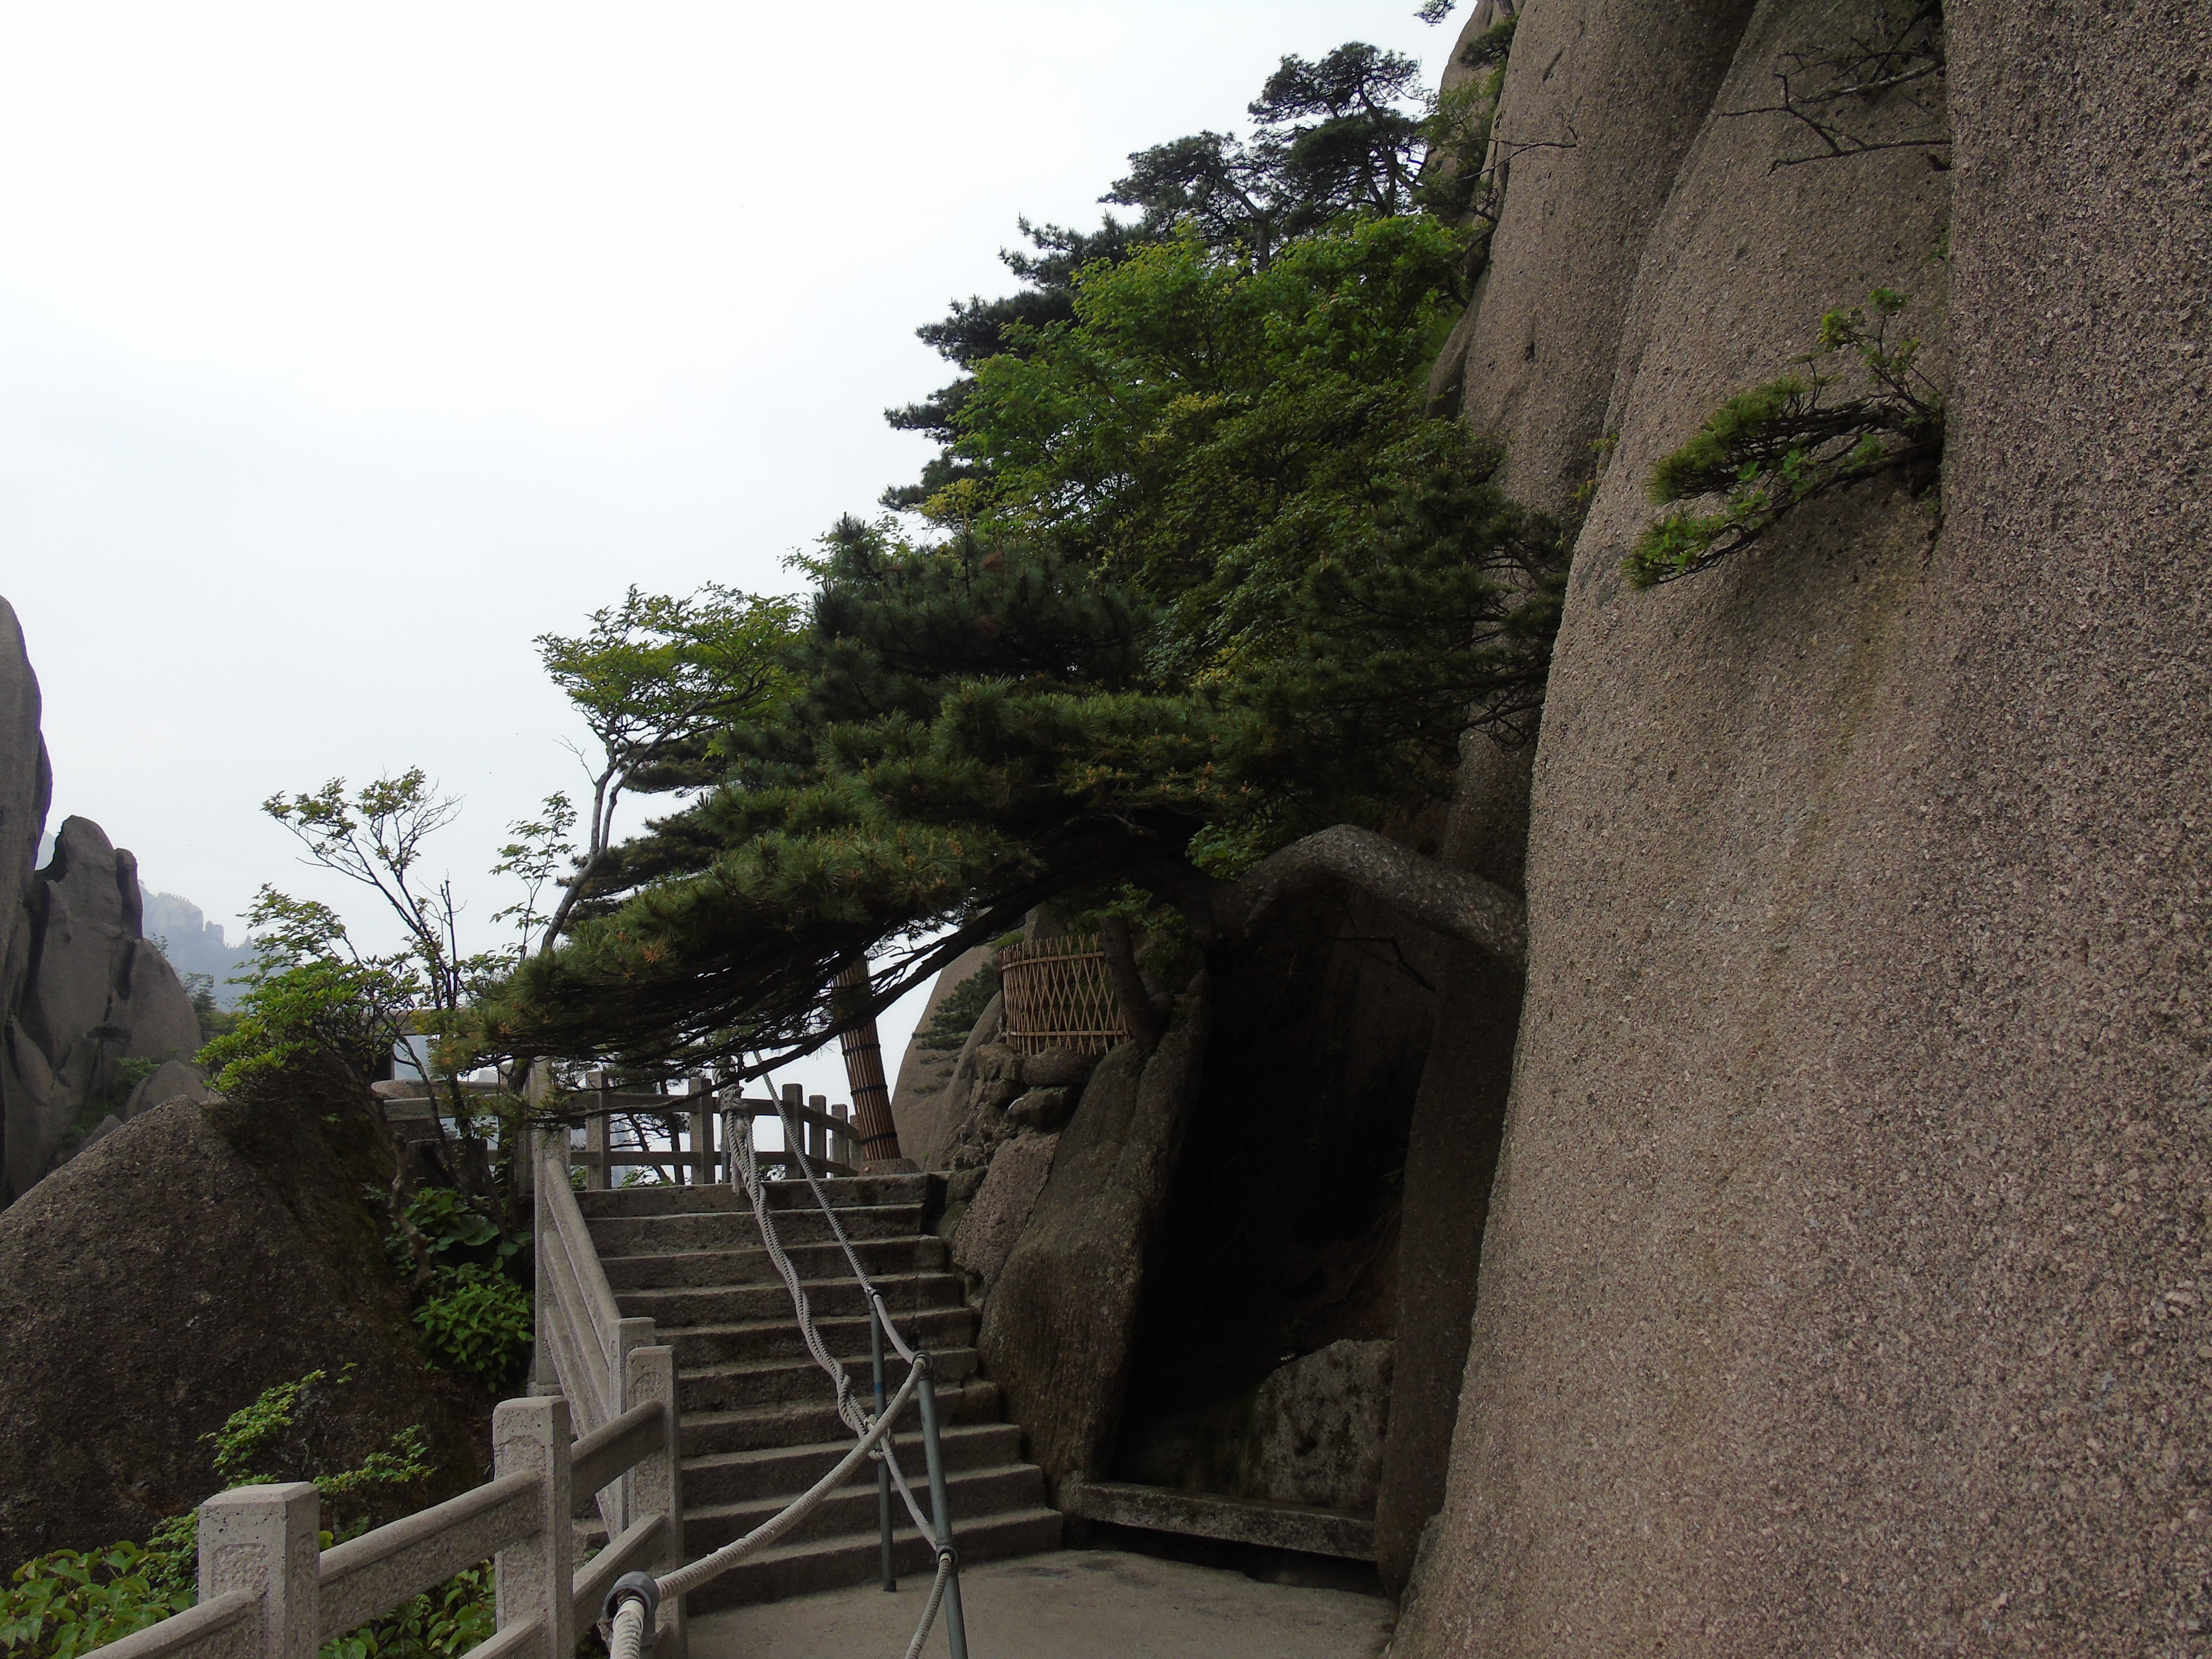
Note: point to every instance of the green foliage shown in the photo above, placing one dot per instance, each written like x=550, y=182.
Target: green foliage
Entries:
x=131, y=1073
x=1768, y=450
x=478, y=1322
x=439, y=1624
x=215, y=1020
x=450, y=1227
x=310, y=994
x=270, y=1440
x=1341, y=135
x=653, y=678
x=67, y=1602
x=956, y=1014
x=1209, y=578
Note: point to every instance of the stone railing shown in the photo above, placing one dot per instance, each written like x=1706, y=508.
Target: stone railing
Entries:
x=268, y=1592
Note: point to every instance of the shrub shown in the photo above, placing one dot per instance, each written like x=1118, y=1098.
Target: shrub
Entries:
x=479, y=1324
x=1770, y=450
x=67, y=1602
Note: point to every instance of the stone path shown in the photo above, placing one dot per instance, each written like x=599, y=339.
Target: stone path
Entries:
x=1072, y=1604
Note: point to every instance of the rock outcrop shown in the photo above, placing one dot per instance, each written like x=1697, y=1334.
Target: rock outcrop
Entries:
x=1059, y=1327
x=82, y=992
x=1843, y=1279
x=163, y=1279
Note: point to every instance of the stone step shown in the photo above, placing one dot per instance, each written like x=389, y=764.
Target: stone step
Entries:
x=707, y=1433
x=843, y=1194
x=734, y=1230
x=716, y=1268
x=853, y=1558
x=755, y=1383
x=740, y=1477
x=698, y=1346
x=975, y=1495
x=674, y=1306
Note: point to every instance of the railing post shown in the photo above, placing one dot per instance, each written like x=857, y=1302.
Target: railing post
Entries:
x=656, y=1482
x=795, y=1099
x=702, y=1142
x=267, y=1540
x=534, y=1577
x=631, y=1335
x=883, y=1464
x=595, y=1145
x=545, y=1378
x=940, y=1514
x=843, y=1153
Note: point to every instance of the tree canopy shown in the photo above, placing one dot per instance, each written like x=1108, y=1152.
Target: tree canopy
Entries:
x=1227, y=585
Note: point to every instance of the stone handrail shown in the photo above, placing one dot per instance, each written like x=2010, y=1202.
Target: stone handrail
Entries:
x=269, y=1593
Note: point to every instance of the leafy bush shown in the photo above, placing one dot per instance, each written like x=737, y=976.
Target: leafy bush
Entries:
x=452, y=1228
x=65, y=1604
x=1770, y=450
x=436, y=1625
x=479, y=1322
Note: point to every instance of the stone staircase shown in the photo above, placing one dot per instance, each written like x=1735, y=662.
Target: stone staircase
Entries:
x=759, y=1422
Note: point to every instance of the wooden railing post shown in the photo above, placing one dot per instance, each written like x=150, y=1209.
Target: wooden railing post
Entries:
x=533, y=1577
x=702, y=1141
x=266, y=1539
x=595, y=1145
x=656, y=1483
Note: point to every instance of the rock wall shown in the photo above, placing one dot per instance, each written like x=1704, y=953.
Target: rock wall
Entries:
x=82, y=991
x=1848, y=1250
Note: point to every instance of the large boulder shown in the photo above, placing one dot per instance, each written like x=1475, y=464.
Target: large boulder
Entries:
x=162, y=1280
x=1061, y=1324
x=94, y=994
x=1847, y=1258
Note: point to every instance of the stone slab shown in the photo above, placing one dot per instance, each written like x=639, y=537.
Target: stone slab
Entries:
x=1345, y=1534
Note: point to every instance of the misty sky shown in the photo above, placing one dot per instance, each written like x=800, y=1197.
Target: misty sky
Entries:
x=344, y=350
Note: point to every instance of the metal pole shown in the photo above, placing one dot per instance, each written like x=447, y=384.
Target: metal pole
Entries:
x=883, y=1466
x=940, y=1509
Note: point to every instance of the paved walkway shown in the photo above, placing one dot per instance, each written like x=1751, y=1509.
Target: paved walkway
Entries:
x=1073, y=1604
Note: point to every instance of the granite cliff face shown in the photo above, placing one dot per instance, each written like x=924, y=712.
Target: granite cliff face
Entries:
x=81, y=990
x=1844, y=1267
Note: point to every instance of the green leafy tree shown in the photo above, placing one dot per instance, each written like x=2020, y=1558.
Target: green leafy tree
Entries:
x=654, y=678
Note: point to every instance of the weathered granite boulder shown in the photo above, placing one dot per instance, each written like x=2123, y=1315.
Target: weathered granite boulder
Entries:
x=81, y=991
x=1318, y=1426
x=178, y=1079
x=918, y=1099
x=1000, y=1205
x=165, y=1277
x=1059, y=1328
x=93, y=993
x=1842, y=1288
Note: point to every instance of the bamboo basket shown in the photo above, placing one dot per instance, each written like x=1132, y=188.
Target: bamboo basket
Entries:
x=1057, y=996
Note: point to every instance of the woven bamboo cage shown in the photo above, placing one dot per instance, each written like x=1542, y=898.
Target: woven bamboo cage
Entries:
x=1058, y=996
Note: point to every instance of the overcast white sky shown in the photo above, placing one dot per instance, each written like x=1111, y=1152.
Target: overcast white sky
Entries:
x=343, y=349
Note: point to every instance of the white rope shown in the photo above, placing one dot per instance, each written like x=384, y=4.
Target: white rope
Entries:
x=854, y=1415
x=684, y=1580
x=936, y=1601
x=629, y=1635
x=795, y=1146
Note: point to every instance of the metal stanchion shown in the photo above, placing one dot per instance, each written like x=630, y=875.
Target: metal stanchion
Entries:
x=941, y=1509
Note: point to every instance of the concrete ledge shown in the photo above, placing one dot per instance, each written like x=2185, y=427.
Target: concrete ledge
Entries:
x=1346, y=1534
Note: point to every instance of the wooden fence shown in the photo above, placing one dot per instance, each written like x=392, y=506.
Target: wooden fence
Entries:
x=1058, y=996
